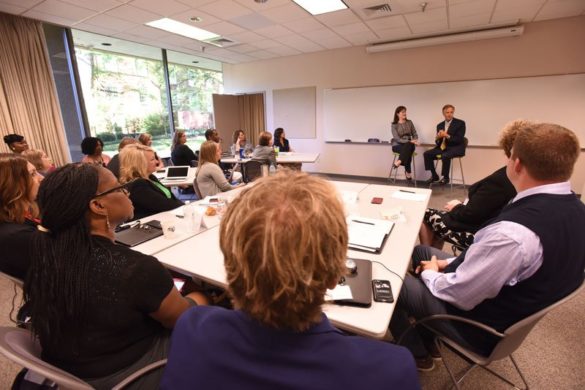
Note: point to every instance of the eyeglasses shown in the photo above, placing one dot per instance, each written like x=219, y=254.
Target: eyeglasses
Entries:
x=122, y=188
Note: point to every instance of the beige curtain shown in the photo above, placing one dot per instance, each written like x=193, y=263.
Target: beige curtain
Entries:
x=252, y=120
x=28, y=98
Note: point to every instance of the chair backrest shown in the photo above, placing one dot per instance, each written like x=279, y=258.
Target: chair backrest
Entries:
x=251, y=170
x=196, y=188
x=21, y=347
x=515, y=334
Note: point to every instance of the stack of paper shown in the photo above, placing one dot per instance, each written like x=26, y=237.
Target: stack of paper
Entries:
x=368, y=234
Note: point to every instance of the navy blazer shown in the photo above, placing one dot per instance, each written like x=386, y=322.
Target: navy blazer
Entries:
x=457, y=133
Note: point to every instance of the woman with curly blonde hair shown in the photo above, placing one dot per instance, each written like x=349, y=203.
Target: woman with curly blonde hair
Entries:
x=284, y=243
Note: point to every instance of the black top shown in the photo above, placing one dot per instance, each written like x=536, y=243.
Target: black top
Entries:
x=182, y=155
x=114, y=165
x=149, y=199
x=282, y=147
x=15, y=241
x=487, y=197
x=126, y=286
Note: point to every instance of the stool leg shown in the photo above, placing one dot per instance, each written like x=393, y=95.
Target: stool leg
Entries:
x=413, y=170
x=392, y=167
x=451, y=174
x=462, y=176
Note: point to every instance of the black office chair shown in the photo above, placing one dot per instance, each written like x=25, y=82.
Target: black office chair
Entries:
x=251, y=170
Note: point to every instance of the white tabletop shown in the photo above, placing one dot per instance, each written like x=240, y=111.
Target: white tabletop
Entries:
x=200, y=255
x=283, y=158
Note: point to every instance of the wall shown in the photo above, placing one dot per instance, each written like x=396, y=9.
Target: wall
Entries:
x=546, y=48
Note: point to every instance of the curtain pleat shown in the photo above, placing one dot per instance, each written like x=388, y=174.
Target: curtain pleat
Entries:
x=29, y=104
x=252, y=121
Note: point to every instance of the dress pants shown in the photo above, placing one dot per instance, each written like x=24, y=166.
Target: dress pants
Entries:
x=406, y=150
x=446, y=155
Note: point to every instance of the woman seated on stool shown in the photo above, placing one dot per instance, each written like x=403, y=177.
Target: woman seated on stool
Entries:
x=284, y=243
x=148, y=194
x=458, y=221
x=101, y=311
x=93, y=148
x=281, y=141
x=264, y=151
x=19, y=184
x=209, y=177
x=404, y=140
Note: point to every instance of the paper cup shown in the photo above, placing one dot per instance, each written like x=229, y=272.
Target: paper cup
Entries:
x=169, y=227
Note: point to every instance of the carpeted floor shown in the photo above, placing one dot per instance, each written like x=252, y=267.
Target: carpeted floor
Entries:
x=551, y=357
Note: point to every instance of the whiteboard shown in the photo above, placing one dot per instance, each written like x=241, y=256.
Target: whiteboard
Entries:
x=357, y=114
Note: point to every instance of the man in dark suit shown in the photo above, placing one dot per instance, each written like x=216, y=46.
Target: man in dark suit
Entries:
x=449, y=143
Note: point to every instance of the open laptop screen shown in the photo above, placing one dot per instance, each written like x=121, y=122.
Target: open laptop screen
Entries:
x=177, y=172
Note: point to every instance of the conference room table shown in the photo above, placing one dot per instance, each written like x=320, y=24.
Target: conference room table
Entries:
x=283, y=158
x=199, y=255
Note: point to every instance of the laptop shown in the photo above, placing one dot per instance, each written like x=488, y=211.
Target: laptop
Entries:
x=177, y=173
x=360, y=283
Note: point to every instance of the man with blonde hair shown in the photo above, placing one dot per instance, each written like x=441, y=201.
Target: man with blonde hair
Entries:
x=527, y=258
x=285, y=243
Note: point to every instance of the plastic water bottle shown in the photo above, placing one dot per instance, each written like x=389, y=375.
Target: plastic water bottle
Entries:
x=271, y=170
x=188, y=214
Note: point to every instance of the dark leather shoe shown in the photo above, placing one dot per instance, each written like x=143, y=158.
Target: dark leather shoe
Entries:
x=432, y=180
x=444, y=181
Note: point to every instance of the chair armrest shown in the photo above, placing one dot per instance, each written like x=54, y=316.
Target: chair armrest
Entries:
x=450, y=317
x=144, y=370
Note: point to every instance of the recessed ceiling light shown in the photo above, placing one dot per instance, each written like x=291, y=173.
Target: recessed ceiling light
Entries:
x=261, y=1
x=195, y=18
x=321, y=6
x=106, y=44
x=183, y=29
x=195, y=62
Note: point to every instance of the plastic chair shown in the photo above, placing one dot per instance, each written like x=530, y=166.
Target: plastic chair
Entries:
x=17, y=282
x=392, y=168
x=251, y=170
x=510, y=340
x=196, y=189
x=21, y=347
x=438, y=158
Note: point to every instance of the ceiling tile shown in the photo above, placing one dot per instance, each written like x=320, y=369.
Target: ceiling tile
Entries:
x=224, y=28
x=225, y=9
x=519, y=9
x=362, y=38
x=285, y=13
x=387, y=23
x=338, y=18
x=463, y=9
x=561, y=9
x=107, y=21
x=147, y=32
x=165, y=8
x=351, y=28
x=245, y=48
x=64, y=10
x=95, y=29
x=252, y=21
x=12, y=9
x=266, y=44
x=438, y=26
x=393, y=34
x=317, y=35
x=429, y=16
x=247, y=37
x=179, y=40
x=258, y=7
x=100, y=6
x=262, y=54
x=284, y=51
x=206, y=19
x=133, y=14
x=470, y=21
x=334, y=42
x=274, y=31
x=302, y=25
x=23, y=3
x=48, y=18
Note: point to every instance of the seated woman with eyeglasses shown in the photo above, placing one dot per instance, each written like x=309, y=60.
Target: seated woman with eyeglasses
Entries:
x=101, y=311
x=148, y=194
x=19, y=184
x=284, y=243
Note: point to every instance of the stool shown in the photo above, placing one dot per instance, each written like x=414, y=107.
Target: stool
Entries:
x=452, y=179
x=396, y=155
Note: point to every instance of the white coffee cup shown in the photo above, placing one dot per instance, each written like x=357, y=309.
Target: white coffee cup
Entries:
x=169, y=227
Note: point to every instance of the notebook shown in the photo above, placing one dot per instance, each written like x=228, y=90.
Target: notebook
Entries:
x=177, y=173
x=360, y=284
x=368, y=234
x=138, y=234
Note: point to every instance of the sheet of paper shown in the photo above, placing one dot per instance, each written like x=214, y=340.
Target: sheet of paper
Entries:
x=409, y=196
x=338, y=293
x=367, y=233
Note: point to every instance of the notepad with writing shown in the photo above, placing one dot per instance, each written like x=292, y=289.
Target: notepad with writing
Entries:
x=368, y=234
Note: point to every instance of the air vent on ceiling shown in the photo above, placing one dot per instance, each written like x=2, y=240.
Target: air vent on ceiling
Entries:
x=377, y=11
x=221, y=42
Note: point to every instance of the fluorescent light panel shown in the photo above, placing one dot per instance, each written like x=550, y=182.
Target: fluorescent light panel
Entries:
x=318, y=7
x=183, y=29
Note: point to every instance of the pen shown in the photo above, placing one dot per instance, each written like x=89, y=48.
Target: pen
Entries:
x=410, y=192
x=365, y=223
